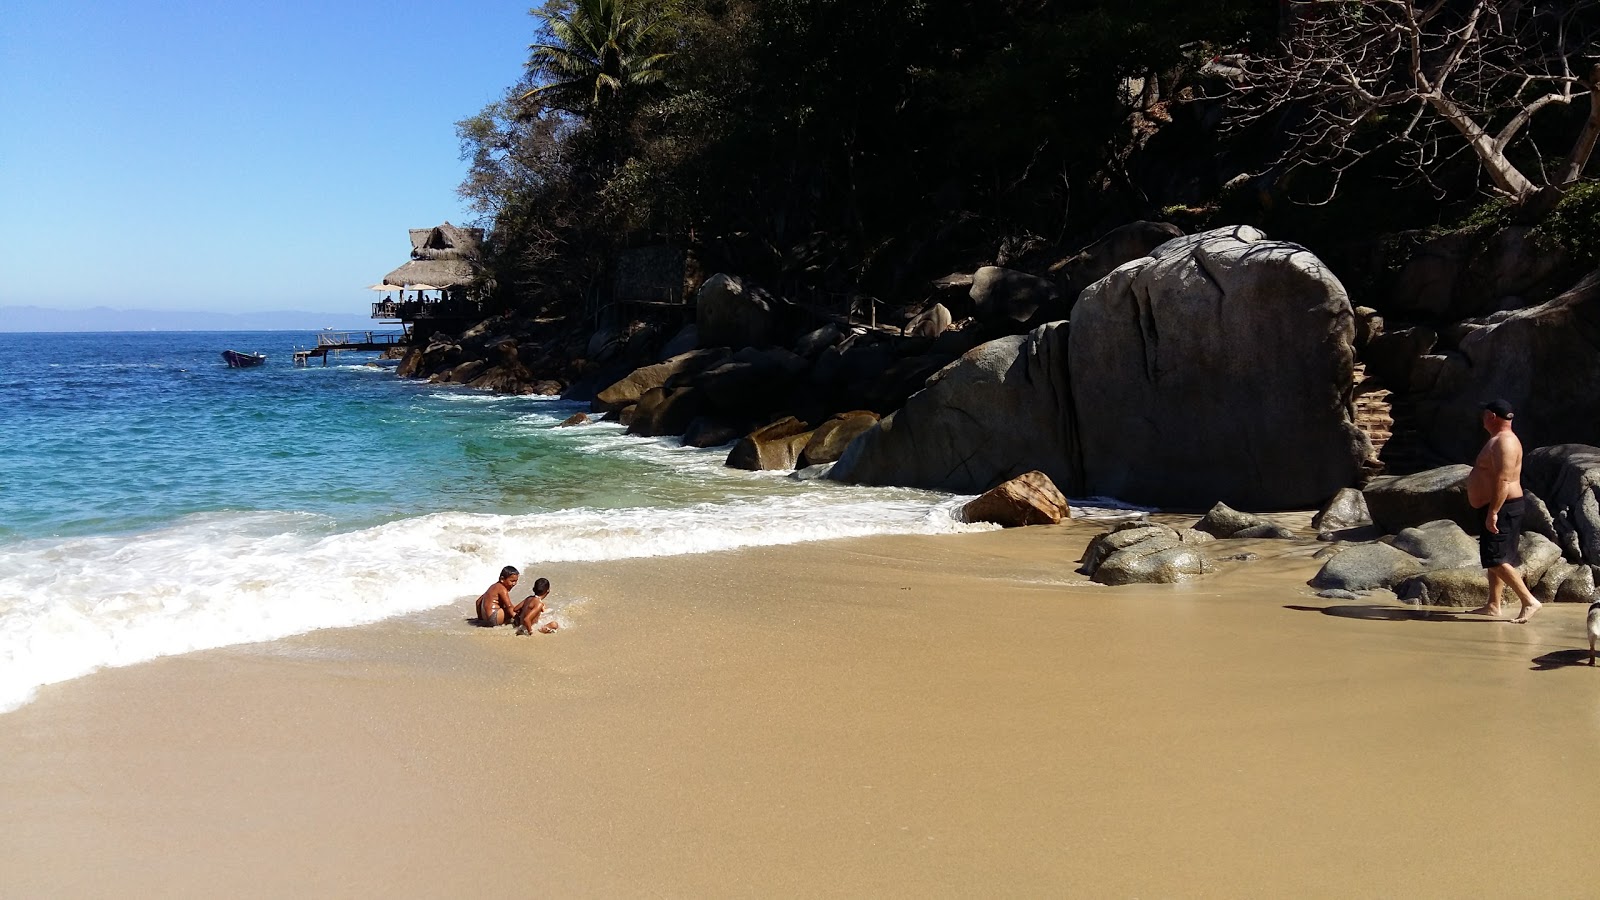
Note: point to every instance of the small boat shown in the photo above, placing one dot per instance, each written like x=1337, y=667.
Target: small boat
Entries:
x=237, y=360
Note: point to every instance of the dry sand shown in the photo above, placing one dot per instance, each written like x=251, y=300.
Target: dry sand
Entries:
x=904, y=716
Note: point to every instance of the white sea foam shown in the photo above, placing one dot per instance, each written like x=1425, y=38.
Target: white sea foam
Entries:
x=70, y=606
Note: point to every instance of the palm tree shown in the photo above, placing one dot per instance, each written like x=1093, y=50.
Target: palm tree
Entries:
x=597, y=49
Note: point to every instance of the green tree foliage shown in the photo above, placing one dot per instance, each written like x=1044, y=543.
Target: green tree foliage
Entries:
x=831, y=147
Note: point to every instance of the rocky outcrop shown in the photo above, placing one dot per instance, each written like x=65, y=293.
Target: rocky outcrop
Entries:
x=1143, y=553
x=1010, y=298
x=1544, y=360
x=930, y=323
x=665, y=411
x=1225, y=522
x=1029, y=499
x=1345, y=515
x=775, y=446
x=1567, y=476
x=633, y=386
x=1219, y=366
x=1467, y=586
x=1467, y=273
x=1402, y=501
x=829, y=441
x=999, y=411
x=1365, y=567
x=1120, y=245
x=731, y=313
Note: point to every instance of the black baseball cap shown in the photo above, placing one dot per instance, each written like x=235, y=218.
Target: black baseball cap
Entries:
x=1501, y=408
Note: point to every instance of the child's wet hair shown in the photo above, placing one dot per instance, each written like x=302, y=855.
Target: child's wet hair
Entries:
x=509, y=570
x=542, y=586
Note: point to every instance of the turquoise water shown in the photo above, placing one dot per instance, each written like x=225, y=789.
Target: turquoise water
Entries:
x=154, y=501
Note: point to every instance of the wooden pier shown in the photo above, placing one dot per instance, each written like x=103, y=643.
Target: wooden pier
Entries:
x=332, y=343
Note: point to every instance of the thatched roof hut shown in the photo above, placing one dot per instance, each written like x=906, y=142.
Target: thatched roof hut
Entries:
x=444, y=256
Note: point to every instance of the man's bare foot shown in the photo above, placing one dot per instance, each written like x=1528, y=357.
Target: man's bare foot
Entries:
x=548, y=627
x=1528, y=609
x=1489, y=610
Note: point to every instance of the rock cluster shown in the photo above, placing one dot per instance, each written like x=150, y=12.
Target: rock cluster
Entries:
x=1429, y=555
x=1219, y=365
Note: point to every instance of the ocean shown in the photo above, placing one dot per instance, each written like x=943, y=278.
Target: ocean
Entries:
x=155, y=502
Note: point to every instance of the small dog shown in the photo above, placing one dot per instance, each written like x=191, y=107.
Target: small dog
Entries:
x=1594, y=628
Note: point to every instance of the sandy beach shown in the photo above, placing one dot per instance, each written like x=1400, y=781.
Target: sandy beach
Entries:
x=896, y=716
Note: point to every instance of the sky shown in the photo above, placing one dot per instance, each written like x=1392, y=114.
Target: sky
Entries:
x=235, y=157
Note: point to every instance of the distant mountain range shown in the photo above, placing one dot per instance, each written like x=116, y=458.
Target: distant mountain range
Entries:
x=101, y=318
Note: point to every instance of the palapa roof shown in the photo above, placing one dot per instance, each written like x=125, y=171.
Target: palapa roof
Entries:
x=444, y=256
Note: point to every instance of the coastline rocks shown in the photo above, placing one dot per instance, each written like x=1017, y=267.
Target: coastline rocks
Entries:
x=1345, y=518
x=775, y=446
x=1396, y=502
x=929, y=323
x=1141, y=553
x=1464, y=588
x=575, y=419
x=633, y=386
x=1225, y=522
x=731, y=313
x=664, y=411
x=1566, y=582
x=829, y=441
x=1000, y=410
x=1029, y=499
x=1219, y=328
x=1569, y=475
x=1012, y=298
x=1438, y=545
x=1365, y=567
x=1117, y=246
x=1543, y=360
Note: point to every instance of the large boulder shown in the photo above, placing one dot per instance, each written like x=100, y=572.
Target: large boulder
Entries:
x=1012, y=298
x=1219, y=366
x=1029, y=499
x=831, y=438
x=999, y=411
x=1568, y=477
x=665, y=411
x=1120, y=245
x=1543, y=360
x=1224, y=521
x=630, y=388
x=1366, y=567
x=1343, y=515
x=775, y=446
x=930, y=323
x=1468, y=585
x=1403, y=501
x=1438, y=545
x=1566, y=582
x=731, y=313
x=1467, y=273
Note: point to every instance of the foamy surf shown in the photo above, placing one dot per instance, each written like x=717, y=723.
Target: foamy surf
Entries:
x=70, y=606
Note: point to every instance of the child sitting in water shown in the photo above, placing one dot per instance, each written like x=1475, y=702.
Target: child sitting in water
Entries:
x=494, y=607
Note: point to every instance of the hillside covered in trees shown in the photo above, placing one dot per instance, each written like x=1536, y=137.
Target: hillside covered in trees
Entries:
x=834, y=149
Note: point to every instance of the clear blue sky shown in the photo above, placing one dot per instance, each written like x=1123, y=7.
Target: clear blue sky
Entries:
x=235, y=156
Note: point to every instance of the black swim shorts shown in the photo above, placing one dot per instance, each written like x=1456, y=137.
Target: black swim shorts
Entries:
x=1495, y=549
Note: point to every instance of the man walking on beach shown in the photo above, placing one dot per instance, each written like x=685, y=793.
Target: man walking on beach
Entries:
x=1494, y=487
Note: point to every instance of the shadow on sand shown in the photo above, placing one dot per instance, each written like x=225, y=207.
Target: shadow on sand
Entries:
x=1391, y=614
x=1561, y=659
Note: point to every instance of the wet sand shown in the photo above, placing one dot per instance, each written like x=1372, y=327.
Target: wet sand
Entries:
x=906, y=716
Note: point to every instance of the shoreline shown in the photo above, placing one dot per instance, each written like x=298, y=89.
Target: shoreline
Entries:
x=890, y=715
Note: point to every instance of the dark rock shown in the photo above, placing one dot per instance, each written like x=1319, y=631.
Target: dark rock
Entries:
x=1029, y=499
x=1123, y=535
x=775, y=446
x=1542, y=360
x=1365, y=567
x=930, y=323
x=1264, y=530
x=1155, y=561
x=666, y=411
x=1391, y=357
x=1345, y=510
x=1438, y=545
x=575, y=419
x=1007, y=296
x=685, y=341
x=999, y=411
x=1223, y=521
x=814, y=342
x=831, y=438
x=631, y=388
x=811, y=473
x=1403, y=501
x=1569, y=476
x=731, y=313
x=710, y=432
x=1120, y=245
x=1223, y=326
